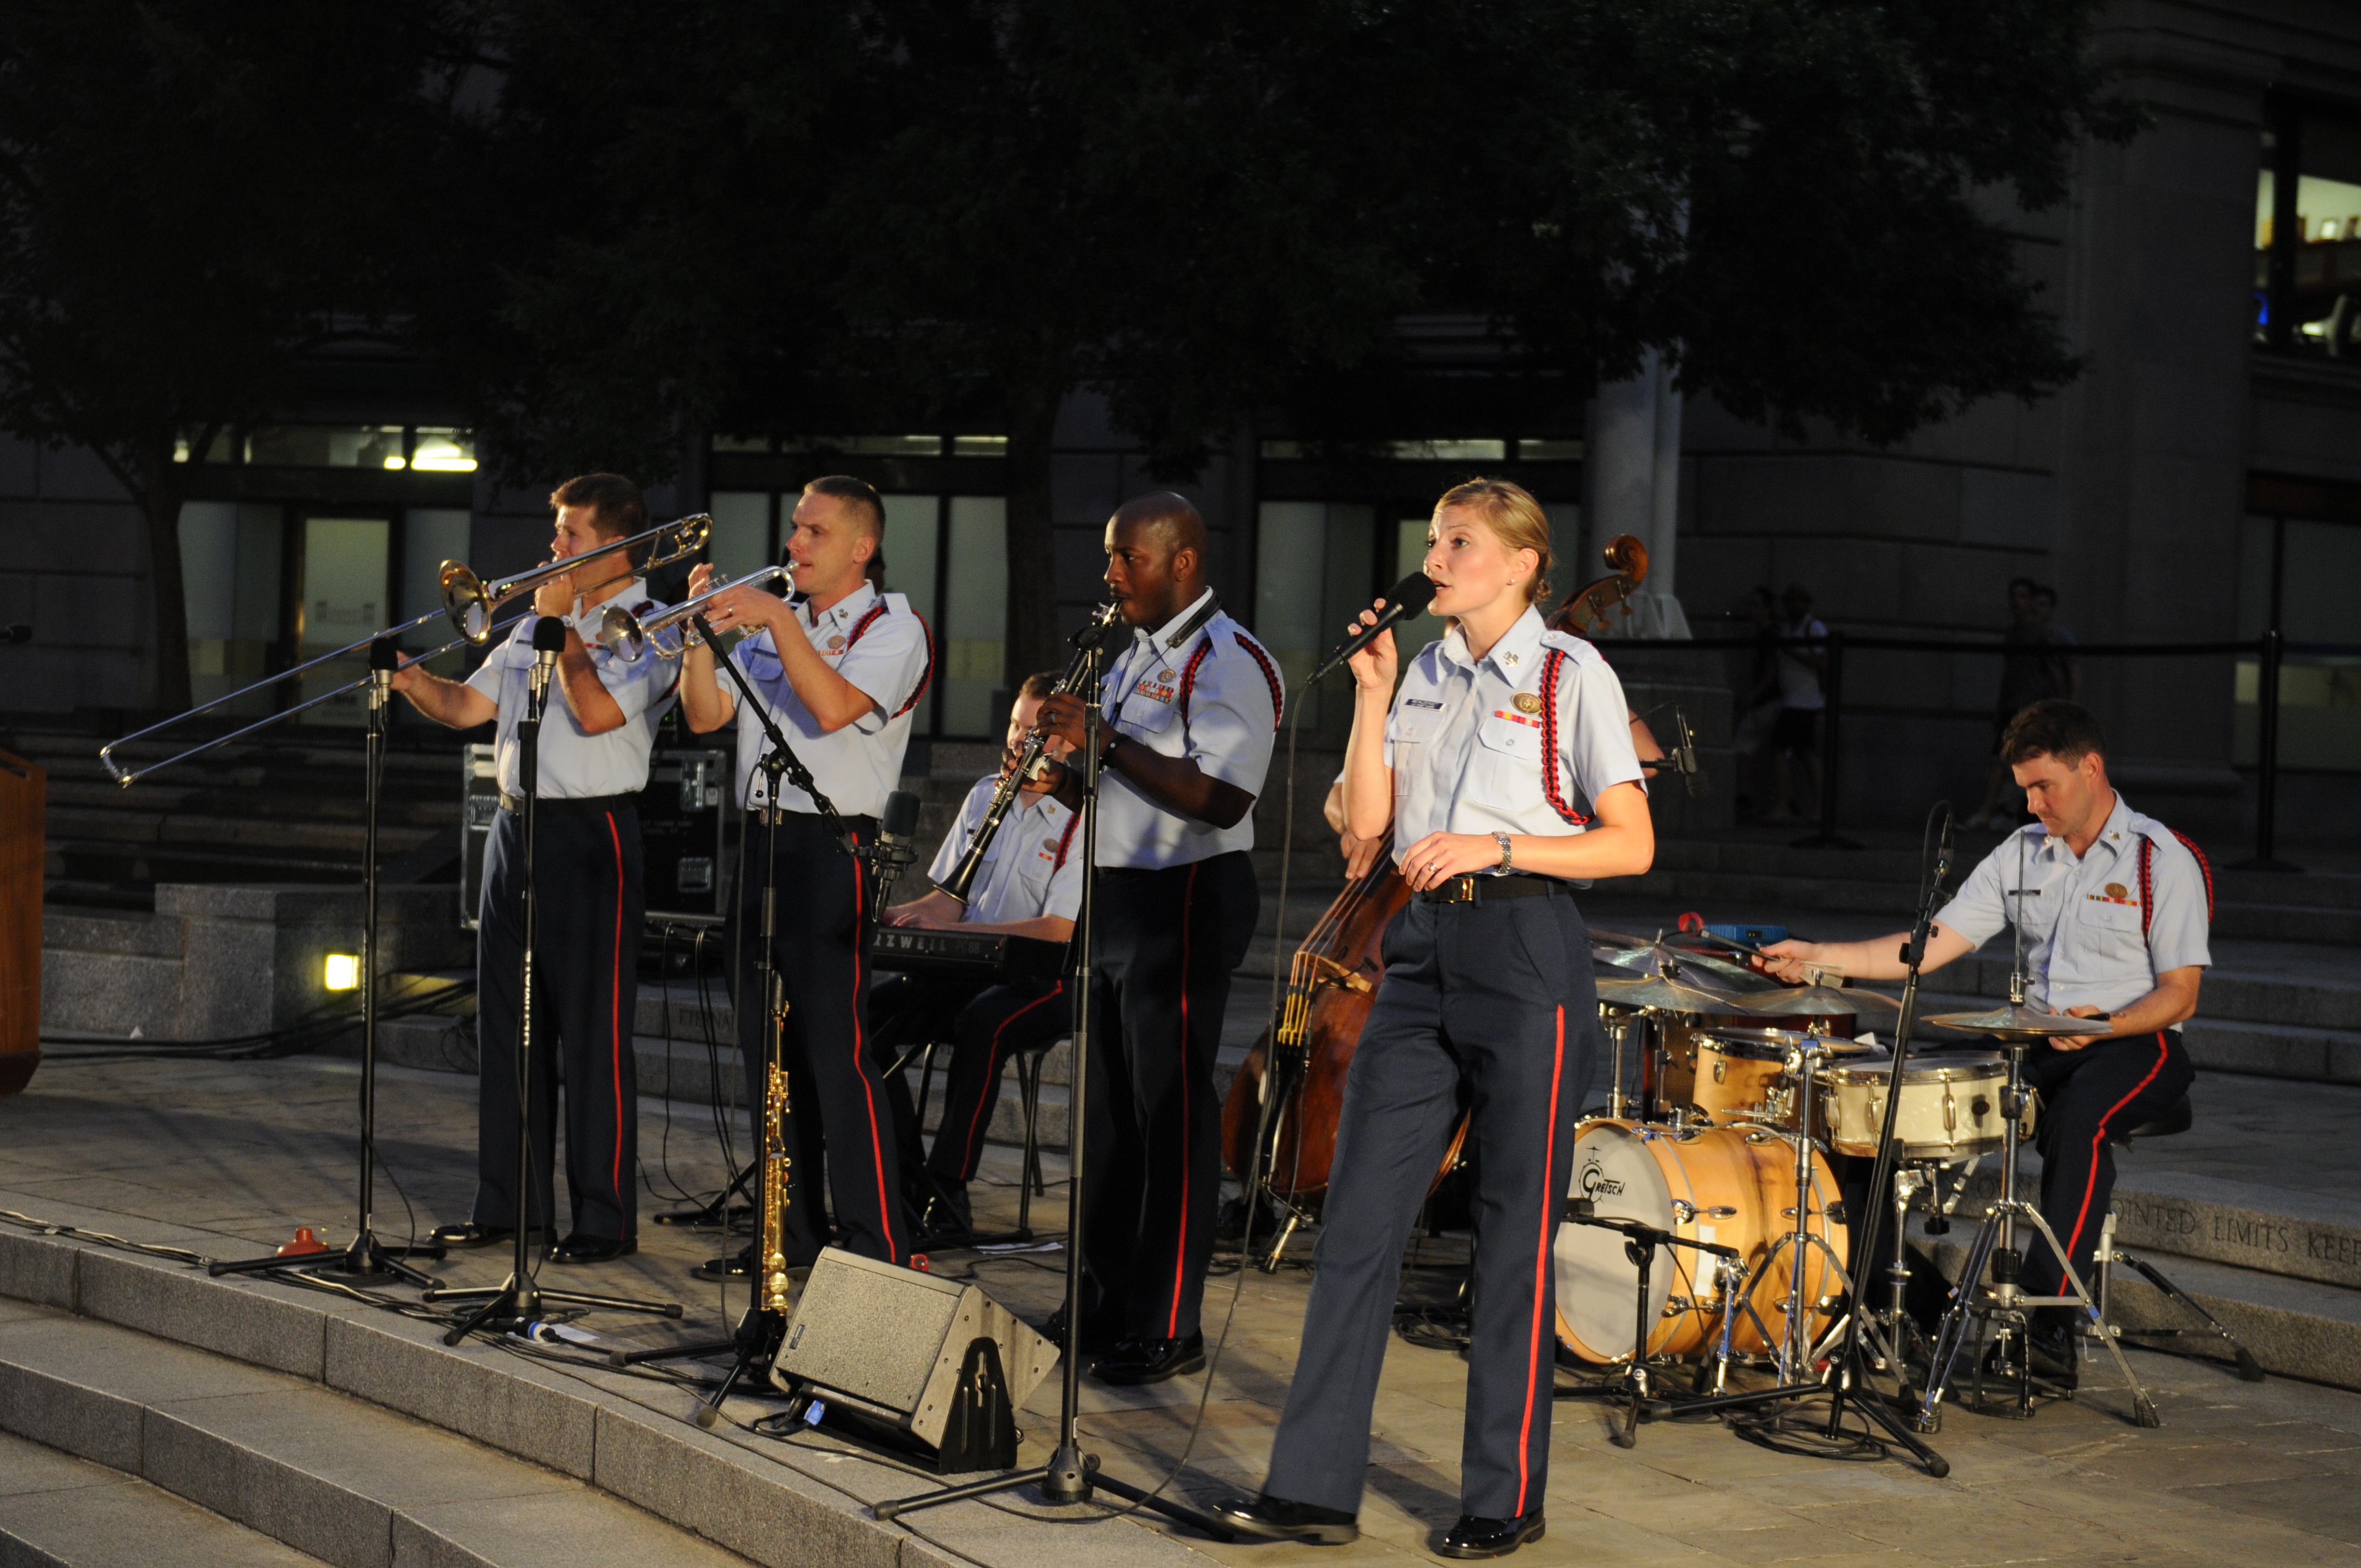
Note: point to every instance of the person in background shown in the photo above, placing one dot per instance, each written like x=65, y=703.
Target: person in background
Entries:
x=1030, y=885
x=1795, y=736
x=2064, y=670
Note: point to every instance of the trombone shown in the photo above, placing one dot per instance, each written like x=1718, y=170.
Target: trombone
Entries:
x=668, y=632
x=466, y=602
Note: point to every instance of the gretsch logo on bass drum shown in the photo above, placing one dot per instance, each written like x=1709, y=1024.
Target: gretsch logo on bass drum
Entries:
x=1596, y=1181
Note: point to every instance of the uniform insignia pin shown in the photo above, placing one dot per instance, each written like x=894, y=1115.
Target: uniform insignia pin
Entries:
x=1049, y=846
x=834, y=644
x=1163, y=675
x=1528, y=702
x=2117, y=890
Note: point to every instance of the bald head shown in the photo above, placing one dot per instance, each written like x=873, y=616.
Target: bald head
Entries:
x=1156, y=556
x=1167, y=519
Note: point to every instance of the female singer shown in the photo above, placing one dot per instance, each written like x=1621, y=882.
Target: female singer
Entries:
x=1505, y=769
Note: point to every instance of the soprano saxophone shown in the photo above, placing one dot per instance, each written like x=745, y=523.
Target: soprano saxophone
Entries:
x=773, y=1297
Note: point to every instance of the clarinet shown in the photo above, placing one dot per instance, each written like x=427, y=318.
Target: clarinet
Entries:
x=1086, y=642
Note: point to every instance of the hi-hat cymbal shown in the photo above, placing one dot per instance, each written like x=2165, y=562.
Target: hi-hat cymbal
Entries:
x=1818, y=1002
x=2018, y=1022
x=1671, y=995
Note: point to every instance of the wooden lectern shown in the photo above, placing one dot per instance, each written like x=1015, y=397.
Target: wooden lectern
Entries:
x=24, y=790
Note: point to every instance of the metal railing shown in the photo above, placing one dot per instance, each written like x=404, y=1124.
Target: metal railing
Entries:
x=2269, y=650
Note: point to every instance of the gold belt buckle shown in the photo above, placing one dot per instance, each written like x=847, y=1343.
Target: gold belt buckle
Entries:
x=1463, y=889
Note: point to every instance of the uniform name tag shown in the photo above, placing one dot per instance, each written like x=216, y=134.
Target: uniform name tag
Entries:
x=1419, y=702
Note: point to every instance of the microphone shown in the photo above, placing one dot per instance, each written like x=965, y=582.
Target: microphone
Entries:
x=1685, y=756
x=548, y=643
x=897, y=831
x=1409, y=597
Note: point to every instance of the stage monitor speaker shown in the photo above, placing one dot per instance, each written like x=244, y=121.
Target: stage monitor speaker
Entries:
x=930, y=1367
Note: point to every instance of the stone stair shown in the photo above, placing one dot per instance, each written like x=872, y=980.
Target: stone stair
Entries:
x=57, y=1511
x=286, y=809
x=337, y=1479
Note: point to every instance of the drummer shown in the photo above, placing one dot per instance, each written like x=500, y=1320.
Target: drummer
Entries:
x=2113, y=909
x=1504, y=770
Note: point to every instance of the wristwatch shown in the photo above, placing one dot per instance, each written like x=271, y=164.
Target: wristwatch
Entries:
x=1508, y=853
x=1114, y=739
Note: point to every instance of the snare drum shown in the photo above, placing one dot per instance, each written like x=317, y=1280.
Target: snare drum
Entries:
x=1734, y=1186
x=1950, y=1105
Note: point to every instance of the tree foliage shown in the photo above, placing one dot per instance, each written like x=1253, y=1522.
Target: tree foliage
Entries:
x=195, y=194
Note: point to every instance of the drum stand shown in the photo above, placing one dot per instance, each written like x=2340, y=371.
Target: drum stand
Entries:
x=1639, y=1243
x=2004, y=1304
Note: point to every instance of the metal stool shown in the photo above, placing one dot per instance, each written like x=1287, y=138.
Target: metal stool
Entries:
x=2177, y=1118
x=1029, y=1181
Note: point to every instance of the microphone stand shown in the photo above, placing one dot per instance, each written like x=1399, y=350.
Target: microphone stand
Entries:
x=519, y=1300
x=1071, y=1476
x=367, y=1261
x=1851, y=1370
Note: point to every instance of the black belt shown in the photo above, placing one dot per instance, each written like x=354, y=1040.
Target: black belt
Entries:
x=576, y=806
x=1484, y=889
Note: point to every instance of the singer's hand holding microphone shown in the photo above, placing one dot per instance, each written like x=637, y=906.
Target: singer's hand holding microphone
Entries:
x=1368, y=646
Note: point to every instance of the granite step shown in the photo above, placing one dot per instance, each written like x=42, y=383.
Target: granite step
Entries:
x=355, y=1433
x=336, y=1478
x=57, y=1511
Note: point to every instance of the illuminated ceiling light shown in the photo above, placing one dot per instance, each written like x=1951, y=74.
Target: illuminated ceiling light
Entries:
x=439, y=456
x=343, y=973
x=396, y=461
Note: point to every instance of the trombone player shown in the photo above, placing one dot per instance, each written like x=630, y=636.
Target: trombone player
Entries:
x=592, y=763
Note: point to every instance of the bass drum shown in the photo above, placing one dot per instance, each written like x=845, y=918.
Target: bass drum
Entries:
x=1733, y=1186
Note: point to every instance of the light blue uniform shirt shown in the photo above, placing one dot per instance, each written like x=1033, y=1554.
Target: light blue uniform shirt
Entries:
x=1032, y=867
x=1211, y=696
x=880, y=645
x=575, y=765
x=1522, y=740
x=2083, y=918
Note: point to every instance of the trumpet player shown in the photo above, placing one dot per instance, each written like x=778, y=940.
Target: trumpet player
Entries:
x=839, y=668
x=592, y=763
x=1031, y=885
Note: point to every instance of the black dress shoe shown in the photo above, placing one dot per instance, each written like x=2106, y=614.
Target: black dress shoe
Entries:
x=1095, y=1342
x=580, y=1248
x=1137, y=1360
x=472, y=1234
x=1275, y=1519
x=1475, y=1537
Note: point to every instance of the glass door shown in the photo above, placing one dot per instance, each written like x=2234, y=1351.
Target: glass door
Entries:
x=343, y=574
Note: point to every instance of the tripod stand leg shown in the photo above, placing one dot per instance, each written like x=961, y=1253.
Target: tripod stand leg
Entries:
x=1952, y=1334
x=2144, y=1410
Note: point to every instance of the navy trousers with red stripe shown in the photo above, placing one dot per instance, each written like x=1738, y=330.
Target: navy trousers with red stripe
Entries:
x=836, y=1096
x=985, y=1027
x=1489, y=1006
x=588, y=916
x=2087, y=1097
x=1167, y=942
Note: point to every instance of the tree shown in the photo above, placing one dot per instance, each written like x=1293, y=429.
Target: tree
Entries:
x=196, y=194
x=1207, y=208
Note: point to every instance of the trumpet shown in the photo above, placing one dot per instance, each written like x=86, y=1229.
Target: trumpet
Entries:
x=668, y=632
x=468, y=604
x=1028, y=763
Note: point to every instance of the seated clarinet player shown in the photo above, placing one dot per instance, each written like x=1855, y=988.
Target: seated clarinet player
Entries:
x=1031, y=885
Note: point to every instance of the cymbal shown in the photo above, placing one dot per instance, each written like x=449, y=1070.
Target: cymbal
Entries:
x=2018, y=1022
x=1656, y=955
x=1671, y=995
x=1818, y=1001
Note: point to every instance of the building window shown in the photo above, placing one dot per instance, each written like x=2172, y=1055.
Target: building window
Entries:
x=2295, y=573
x=427, y=449
x=2308, y=234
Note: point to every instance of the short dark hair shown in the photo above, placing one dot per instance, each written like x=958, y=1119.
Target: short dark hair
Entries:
x=2052, y=728
x=1040, y=682
x=859, y=492
x=613, y=501
x=2027, y=584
